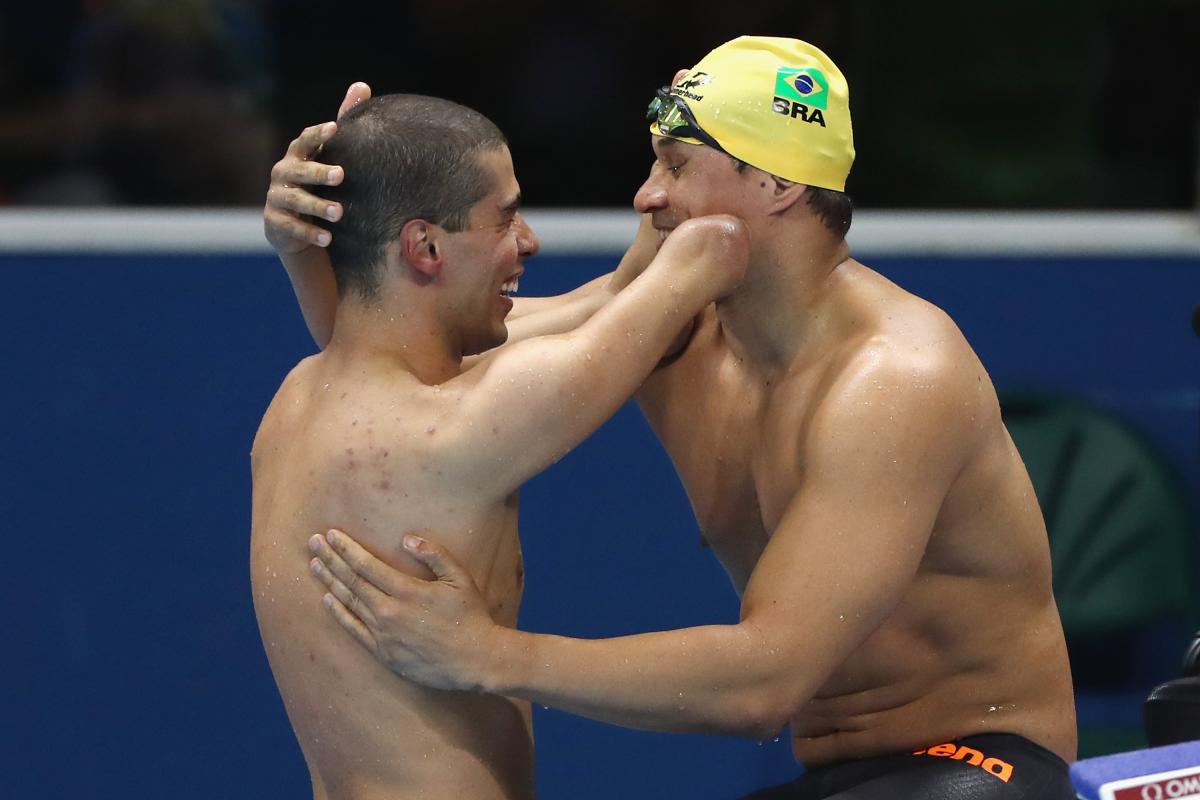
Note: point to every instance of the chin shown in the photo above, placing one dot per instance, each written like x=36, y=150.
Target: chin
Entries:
x=483, y=344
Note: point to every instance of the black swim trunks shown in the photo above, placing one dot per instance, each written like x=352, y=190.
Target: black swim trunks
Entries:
x=990, y=766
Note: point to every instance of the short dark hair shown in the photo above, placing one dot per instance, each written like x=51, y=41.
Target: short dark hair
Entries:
x=405, y=157
x=835, y=208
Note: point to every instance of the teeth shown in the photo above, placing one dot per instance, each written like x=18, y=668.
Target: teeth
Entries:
x=510, y=287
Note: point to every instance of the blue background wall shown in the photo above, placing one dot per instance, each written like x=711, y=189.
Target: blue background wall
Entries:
x=132, y=387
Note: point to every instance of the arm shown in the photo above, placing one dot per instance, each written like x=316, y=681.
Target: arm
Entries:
x=839, y=560
x=300, y=246
x=548, y=393
x=544, y=316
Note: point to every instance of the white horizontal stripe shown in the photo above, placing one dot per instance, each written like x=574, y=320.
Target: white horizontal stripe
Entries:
x=583, y=232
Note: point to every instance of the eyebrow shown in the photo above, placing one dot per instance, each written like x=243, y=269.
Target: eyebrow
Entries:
x=665, y=146
x=662, y=145
x=512, y=207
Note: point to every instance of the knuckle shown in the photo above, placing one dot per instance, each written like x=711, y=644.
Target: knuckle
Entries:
x=283, y=197
x=387, y=617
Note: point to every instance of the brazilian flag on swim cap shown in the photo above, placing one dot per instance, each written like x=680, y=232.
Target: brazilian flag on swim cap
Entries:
x=778, y=104
x=804, y=84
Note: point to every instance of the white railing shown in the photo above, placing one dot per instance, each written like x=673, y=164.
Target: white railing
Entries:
x=581, y=232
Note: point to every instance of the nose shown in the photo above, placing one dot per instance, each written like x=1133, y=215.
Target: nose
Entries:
x=527, y=241
x=651, y=197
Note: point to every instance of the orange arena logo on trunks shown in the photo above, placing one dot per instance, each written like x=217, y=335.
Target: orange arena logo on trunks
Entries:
x=1001, y=769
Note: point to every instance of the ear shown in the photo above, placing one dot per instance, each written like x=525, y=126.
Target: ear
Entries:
x=678, y=76
x=784, y=194
x=420, y=246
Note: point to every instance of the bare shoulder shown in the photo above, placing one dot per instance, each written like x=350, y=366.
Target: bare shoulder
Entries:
x=283, y=406
x=908, y=368
x=344, y=406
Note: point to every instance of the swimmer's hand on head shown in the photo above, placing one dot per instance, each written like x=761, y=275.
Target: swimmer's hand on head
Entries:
x=297, y=241
x=288, y=202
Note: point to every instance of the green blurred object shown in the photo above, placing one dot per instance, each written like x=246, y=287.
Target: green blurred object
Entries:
x=1122, y=552
x=1120, y=535
x=1104, y=740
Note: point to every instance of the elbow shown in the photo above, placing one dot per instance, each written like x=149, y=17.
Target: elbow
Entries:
x=762, y=715
x=762, y=725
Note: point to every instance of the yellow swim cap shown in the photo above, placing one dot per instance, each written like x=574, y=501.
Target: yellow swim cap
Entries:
x=778, y=104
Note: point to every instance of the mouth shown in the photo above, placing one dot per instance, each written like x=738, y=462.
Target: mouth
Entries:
x=509, y=287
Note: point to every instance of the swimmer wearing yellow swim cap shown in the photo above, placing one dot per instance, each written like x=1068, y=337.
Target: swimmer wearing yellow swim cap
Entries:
x=777, y=104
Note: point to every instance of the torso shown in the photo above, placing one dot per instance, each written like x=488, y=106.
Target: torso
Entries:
x=338, y=450
x=975, y=644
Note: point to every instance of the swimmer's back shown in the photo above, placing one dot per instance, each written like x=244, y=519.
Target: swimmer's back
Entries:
x=338, y=450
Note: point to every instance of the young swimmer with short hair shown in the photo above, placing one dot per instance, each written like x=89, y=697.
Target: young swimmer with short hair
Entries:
x=385, y=432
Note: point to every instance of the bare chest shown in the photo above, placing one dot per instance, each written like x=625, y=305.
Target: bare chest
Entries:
x=735, y=441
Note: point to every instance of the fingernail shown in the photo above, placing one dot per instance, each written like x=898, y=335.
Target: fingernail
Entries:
x=314, y=543
x=334, y=175
x=328, y=129
x=412, y=542
x=315, y=565
x=323, y=239
x=328, y=600
x=331, y=536
x=331, y=213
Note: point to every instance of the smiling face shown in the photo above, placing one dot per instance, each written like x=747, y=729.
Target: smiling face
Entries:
x=691, y=180
x=484, y=260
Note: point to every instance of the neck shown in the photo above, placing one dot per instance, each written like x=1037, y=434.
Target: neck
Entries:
x=403, y=332
x=780, y=309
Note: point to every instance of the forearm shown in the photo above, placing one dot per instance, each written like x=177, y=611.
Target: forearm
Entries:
x=313, y=282
x=543, y=316
x=546, y=316
x=580, y=380
x=716, y=679
x=636, y=258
